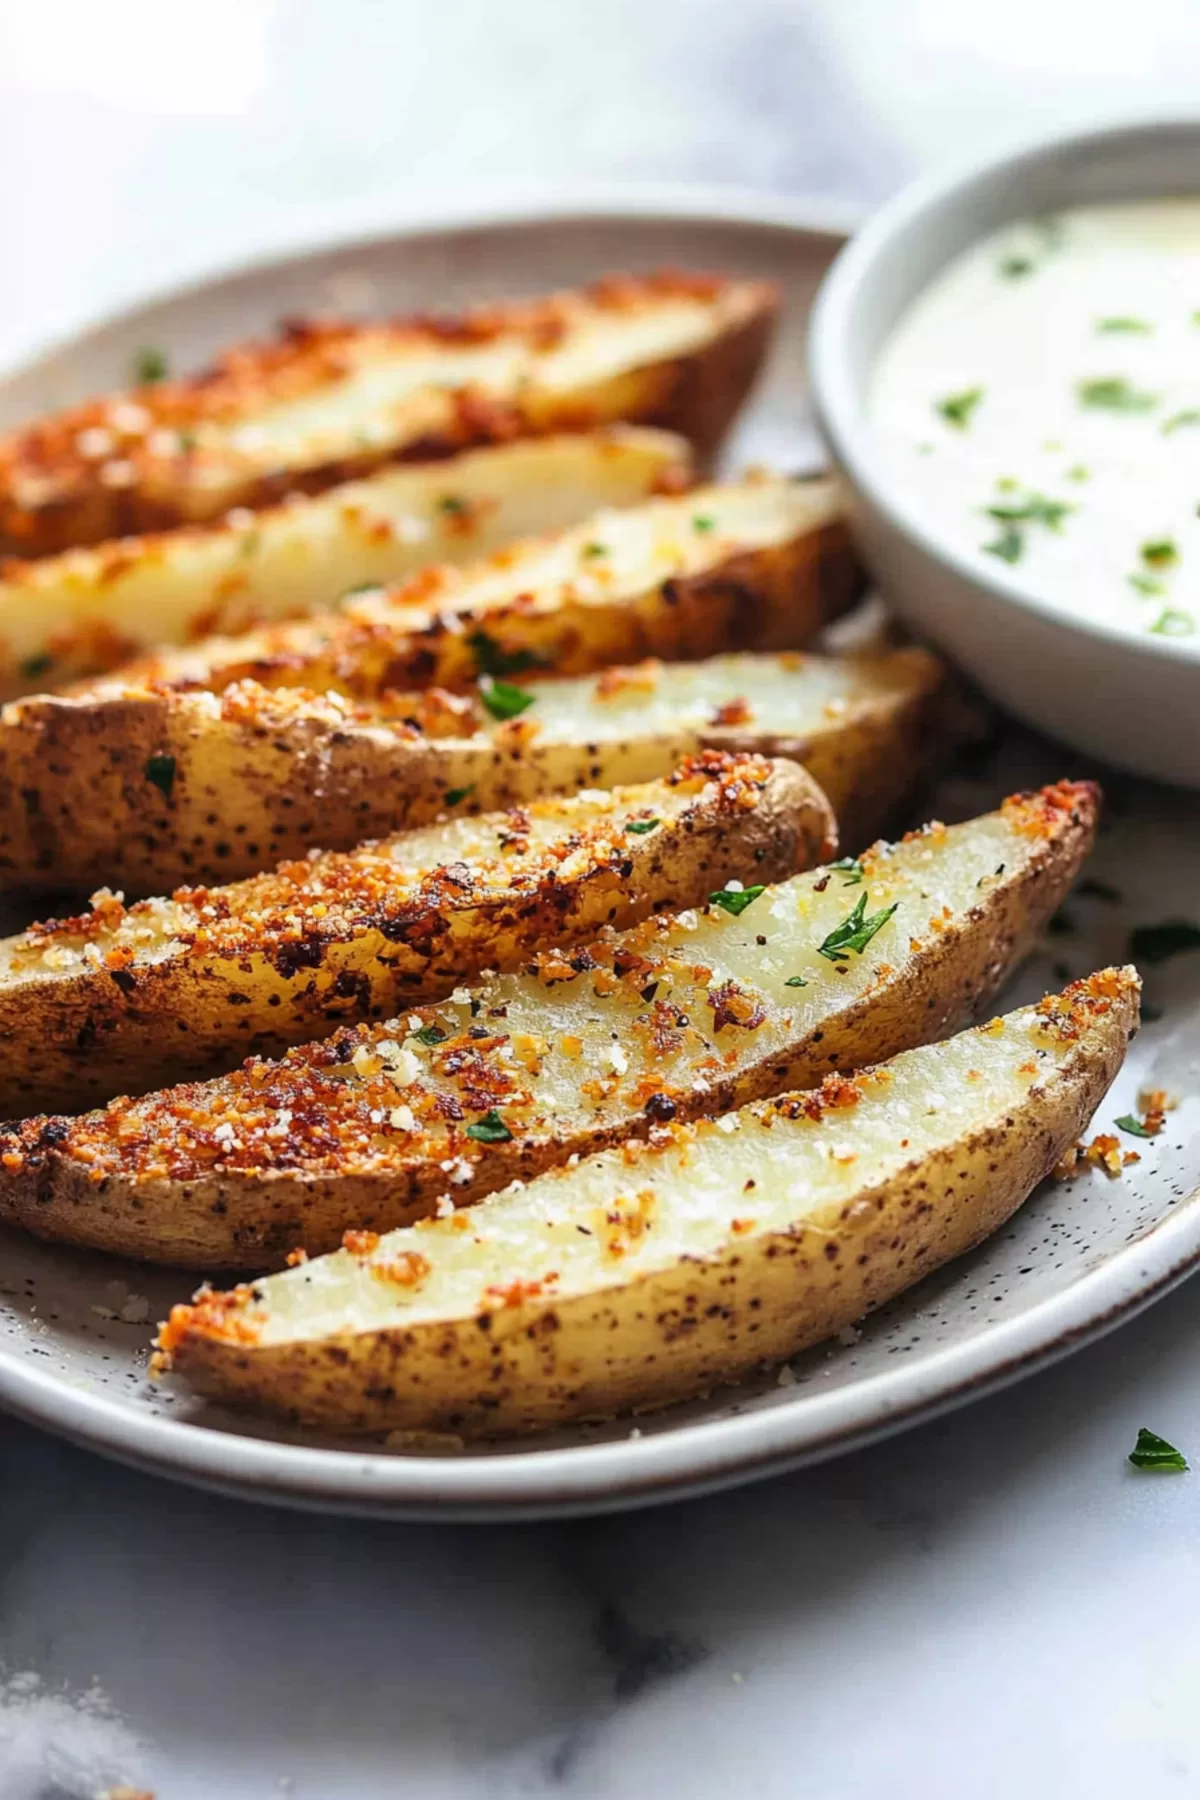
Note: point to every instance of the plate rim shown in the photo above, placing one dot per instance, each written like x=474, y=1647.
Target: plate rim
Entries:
x=628, y=1472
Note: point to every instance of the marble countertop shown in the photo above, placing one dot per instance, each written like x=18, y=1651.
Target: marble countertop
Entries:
x=993, y=1604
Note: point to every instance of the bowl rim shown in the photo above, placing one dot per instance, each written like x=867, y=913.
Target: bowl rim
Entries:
x=833, y=386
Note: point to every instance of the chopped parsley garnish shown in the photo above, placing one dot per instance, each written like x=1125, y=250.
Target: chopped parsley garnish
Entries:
x=455, y=795
x=491, y=1129
x=149, y=365
x=430, y=1035
x=1158, y=943
x=856, y=932
x=957, y=409
x=493, y=659
x=1189, y=416
x=1035, y=509
x=1173, y=622
x=735, y=900
x=1114, y=393
x=1008, y=546
x=1160, y=553
x=35, y=666
x=640, y=827
x=1147, y=584
x=795, y=981
x=1133, y=1126
x=1121, y=323
x=453, y=505
x=851, y=868
x=591, y=551
x=502, y=700
x=160, y=769
x=1014, y=267
x=703, y=522
x=1079, y=472
x=1154, y=1452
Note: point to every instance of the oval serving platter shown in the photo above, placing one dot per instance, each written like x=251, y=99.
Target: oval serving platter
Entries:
x=1078, y=1258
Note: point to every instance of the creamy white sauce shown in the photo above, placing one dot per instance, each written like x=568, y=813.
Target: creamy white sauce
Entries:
x=1053, y=371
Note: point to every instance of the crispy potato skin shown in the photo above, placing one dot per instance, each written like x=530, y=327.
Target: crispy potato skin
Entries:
x=67, y=1043
x=52, y=494
x=258, y=776
x=671, y=1335
x=230, y=1221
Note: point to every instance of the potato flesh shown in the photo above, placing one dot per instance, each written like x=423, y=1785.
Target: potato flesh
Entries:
x=380, y=380
x=289, y=560
x=612, y=556
x=785, y=695
x=767, y=1172
x=152, y=928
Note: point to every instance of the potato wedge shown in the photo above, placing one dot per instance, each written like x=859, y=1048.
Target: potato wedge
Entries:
x=760, y=563
x=122, y=1000
x=145, y=788
x=328, y=401
x=651, y=1273
x=588, y=1047
x=86, y=610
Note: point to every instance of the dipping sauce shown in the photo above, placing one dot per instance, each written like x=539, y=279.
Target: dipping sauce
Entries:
x=1040, y=405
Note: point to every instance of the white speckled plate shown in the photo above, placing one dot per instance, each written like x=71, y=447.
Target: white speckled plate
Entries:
x=74, y=1329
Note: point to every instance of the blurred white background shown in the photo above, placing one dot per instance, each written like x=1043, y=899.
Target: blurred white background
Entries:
x=140, y=139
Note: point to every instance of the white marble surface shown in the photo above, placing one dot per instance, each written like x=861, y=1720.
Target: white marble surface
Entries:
x=992, y=1605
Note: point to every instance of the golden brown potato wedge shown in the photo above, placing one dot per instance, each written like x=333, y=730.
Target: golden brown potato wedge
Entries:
x=760, y=563
x=766, y=989
x=328, y=401
x=648, y=1274
x=144, y=788
x=125, y=999
x=88, y=609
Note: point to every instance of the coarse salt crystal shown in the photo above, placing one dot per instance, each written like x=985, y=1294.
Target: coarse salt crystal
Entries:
x=618, y=1059
x=402, y=1118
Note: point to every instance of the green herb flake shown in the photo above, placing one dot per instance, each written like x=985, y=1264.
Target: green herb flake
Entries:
x=1133, y=1126
x=1189, y=416
x=491, y=1129
x=1015, y=268
x=795, y=981
x=1120, y=323
x=1172, y=621
x=1160, y=553
x=149, y=365
x=591, y=552
x=160, y=769
x=957, y=409
x=640, y=827
x=187, y=442
x=1035, y=509
x=362, y=587
x=453, y=505
x=851, y=868
x=1114, y=393
x=1159, y=943
x=34, y=667
x=502, y=700
x=856, y=932
x=429, y=1035
x=493, y=659
x=703, y=522
x=735, y=900
x=1154, y=1452
x=1149, y=585
x=1009, y=546
x=455, y=796
x=1079, y=472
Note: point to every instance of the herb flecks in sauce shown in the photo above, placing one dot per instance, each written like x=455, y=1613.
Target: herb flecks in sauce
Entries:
x=1114, y=393
x=958, y=409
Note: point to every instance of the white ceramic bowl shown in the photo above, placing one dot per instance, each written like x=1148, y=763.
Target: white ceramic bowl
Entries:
x=1134, y=702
